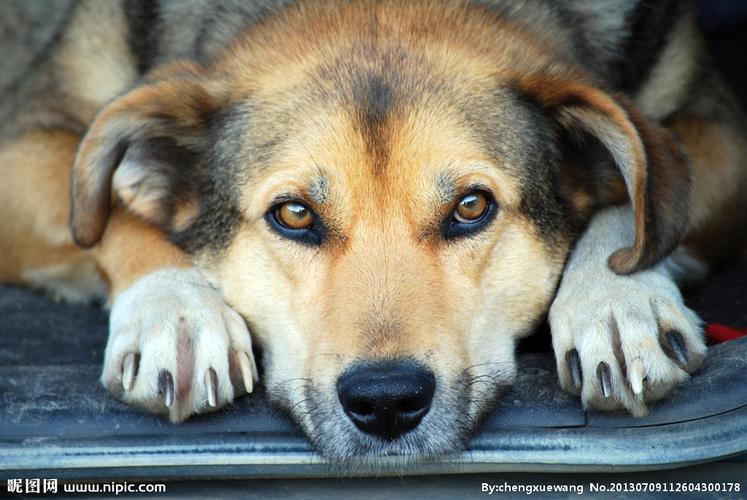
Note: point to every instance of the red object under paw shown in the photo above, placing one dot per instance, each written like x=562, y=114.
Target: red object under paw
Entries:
x=722, y=333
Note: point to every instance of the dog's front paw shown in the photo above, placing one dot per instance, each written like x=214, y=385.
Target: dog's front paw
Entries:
x=623, y=341
x=175, y=347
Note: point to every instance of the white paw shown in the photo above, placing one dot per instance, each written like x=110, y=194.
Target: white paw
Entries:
x=175, y=347
x=623, y=341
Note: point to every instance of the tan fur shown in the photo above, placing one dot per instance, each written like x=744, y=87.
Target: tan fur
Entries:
x=131, y=248
x=36, y=197
x=35, y=203
x=719, y=206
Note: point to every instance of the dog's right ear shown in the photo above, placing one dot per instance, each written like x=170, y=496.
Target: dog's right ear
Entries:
x=651, y=165
x=144, y=143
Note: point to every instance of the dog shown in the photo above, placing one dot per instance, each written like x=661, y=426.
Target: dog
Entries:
x=383, y=196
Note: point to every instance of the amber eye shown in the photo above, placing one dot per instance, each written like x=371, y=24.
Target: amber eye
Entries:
x=471, y=207
x=294, y=215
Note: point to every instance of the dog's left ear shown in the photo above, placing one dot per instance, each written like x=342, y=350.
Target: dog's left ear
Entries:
x=655, y=170
x=142, y=149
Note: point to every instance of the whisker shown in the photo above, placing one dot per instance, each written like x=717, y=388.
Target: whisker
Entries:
x=306, y=379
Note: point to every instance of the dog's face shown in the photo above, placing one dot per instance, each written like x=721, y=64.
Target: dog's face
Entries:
x=389, y=215
x=382, y=234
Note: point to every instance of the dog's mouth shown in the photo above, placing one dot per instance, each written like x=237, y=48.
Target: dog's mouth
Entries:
x=396, y=409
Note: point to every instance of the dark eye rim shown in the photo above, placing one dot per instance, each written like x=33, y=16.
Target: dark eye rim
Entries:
x=313, y=235
x=453, y=228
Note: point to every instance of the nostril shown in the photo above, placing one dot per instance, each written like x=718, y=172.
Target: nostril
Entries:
x=411, y=405
x=360, y=407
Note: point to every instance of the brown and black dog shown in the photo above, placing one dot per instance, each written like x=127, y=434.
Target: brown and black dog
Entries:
x=386, y=194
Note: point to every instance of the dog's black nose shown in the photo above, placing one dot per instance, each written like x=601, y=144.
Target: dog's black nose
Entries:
x=386, y=399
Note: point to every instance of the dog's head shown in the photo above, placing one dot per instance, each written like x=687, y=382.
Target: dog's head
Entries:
x=389, y=204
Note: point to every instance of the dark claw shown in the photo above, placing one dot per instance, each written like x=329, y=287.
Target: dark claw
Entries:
x=574, y=367
x=677, y=343
x=166, y=387
x=605, y=379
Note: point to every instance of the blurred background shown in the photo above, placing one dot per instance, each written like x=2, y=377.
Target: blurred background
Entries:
x=724, y=23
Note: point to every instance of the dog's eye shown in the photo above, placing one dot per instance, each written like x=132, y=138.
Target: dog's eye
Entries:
x=471, y=207
x=296, y=221
x=473, y=212
x=294, y=215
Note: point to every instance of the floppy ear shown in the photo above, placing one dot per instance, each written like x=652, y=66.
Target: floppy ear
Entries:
x=143, y=148
x=655, y=170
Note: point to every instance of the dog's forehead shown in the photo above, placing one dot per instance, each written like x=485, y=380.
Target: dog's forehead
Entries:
x=374, y=126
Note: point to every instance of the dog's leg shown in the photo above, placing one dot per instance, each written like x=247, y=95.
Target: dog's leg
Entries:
x=620, y=341
x=36, y=246
x=174, y=346
x=599, y=316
